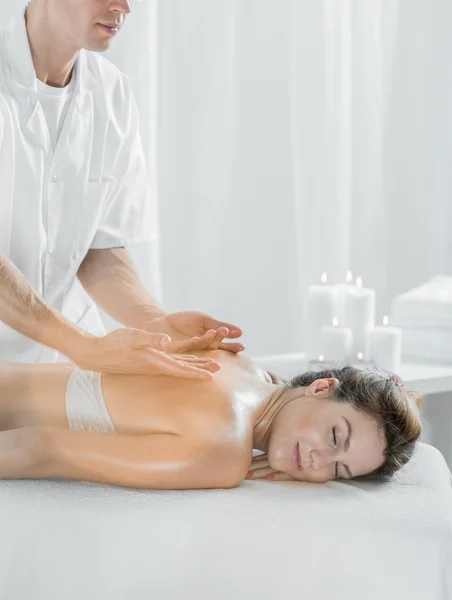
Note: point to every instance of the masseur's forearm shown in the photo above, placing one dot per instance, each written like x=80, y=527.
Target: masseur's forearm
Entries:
x=25, y=311
x=110, y=279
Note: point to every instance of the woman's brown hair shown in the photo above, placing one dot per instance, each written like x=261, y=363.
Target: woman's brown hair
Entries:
x=384, y=398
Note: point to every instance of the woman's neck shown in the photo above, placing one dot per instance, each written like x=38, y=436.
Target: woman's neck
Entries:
x=276, y=400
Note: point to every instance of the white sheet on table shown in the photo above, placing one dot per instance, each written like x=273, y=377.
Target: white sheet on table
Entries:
x=64, y=540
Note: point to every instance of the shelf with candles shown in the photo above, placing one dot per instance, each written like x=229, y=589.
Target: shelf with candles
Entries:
x=352, y=305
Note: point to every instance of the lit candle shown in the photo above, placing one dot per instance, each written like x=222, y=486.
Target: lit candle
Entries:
x=359, y=362
x=336, y=342
x=321, y=307
x=357, y=309
x=385, y=346
x=343, y=290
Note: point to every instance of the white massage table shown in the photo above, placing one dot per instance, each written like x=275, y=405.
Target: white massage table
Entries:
x=62, y=540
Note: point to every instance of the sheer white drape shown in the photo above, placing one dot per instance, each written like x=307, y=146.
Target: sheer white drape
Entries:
x=135, y=52
x=295, y=137
x=291, y=137
x=257, y=147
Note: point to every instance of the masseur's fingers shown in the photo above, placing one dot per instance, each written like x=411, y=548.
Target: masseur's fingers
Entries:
x=211, y=323
x=201, y=363
x=191, y=367
x=195, y=343
x=232, y=332
x=218, y=335
x=211, y=340
x=132, y=351
x=234, y=347
x=174, y=366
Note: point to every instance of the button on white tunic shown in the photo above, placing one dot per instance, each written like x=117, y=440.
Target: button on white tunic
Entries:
x=92, y=192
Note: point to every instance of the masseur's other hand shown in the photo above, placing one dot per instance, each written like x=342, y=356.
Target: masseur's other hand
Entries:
x=138, y=352
x=260, y=469
x=204, y=332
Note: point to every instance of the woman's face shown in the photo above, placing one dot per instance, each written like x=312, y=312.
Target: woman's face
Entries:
x=333, y=439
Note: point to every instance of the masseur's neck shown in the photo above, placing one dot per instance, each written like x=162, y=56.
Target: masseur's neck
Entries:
x=53, y=56
x=275, y=401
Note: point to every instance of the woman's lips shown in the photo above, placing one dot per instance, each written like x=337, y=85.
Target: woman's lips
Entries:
x=296, y=457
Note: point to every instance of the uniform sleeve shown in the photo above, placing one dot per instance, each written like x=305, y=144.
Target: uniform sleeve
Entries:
x=129, y=215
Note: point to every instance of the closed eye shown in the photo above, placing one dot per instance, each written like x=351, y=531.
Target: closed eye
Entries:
x=336, y=464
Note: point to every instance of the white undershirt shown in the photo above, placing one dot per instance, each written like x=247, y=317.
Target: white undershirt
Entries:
x=55, y=103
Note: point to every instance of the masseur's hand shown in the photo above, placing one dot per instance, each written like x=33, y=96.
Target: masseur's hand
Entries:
x=260, y=469
x=134, y=351
x=204, y=332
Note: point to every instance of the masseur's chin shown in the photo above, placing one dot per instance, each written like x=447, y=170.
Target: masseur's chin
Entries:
x=98, y=45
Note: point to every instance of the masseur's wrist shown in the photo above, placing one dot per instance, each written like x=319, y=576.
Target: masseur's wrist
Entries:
x=65, y=337
x=143, y=317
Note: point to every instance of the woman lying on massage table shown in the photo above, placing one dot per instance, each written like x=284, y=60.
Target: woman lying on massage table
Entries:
x=159, y=432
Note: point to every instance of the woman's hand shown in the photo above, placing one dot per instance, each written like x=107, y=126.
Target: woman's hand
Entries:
x=260, y=469
x=191, y=330
x=138, y=352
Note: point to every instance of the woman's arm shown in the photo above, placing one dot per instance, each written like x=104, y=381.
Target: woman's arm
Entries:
x=162, y=461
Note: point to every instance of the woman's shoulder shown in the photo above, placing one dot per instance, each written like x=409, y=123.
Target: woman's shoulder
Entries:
x=220, y=423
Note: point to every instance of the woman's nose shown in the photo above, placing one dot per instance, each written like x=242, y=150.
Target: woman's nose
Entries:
x=321, y=459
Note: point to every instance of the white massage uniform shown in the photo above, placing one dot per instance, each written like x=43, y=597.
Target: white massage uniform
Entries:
x=72, y=178
x=55, y=104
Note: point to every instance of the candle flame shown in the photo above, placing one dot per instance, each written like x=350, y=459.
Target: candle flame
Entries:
x=359, y=282
x=321, y=358
x=335, y=322
x=360, y=356
x=324, y=278
x=386, y=320
x=349, y=277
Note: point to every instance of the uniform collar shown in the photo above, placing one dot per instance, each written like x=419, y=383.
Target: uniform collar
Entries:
x=21, y=62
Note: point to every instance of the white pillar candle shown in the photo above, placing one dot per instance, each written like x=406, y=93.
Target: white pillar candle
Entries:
x=321, y=308
x=357, y=312
x=385, y=347
x=344, y=291
x=336, y=342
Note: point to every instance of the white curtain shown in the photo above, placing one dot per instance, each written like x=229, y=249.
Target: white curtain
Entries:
x=136, y=53
x=290, y=137
x=295, y=137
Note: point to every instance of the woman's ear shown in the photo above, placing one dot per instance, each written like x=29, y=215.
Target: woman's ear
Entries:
x=322, y=388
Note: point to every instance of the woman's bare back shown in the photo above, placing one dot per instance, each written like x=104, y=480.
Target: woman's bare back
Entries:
x=140, y=405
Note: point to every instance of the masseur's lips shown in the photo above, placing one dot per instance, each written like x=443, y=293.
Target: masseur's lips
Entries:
x=296, y=457
x=111, y=29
